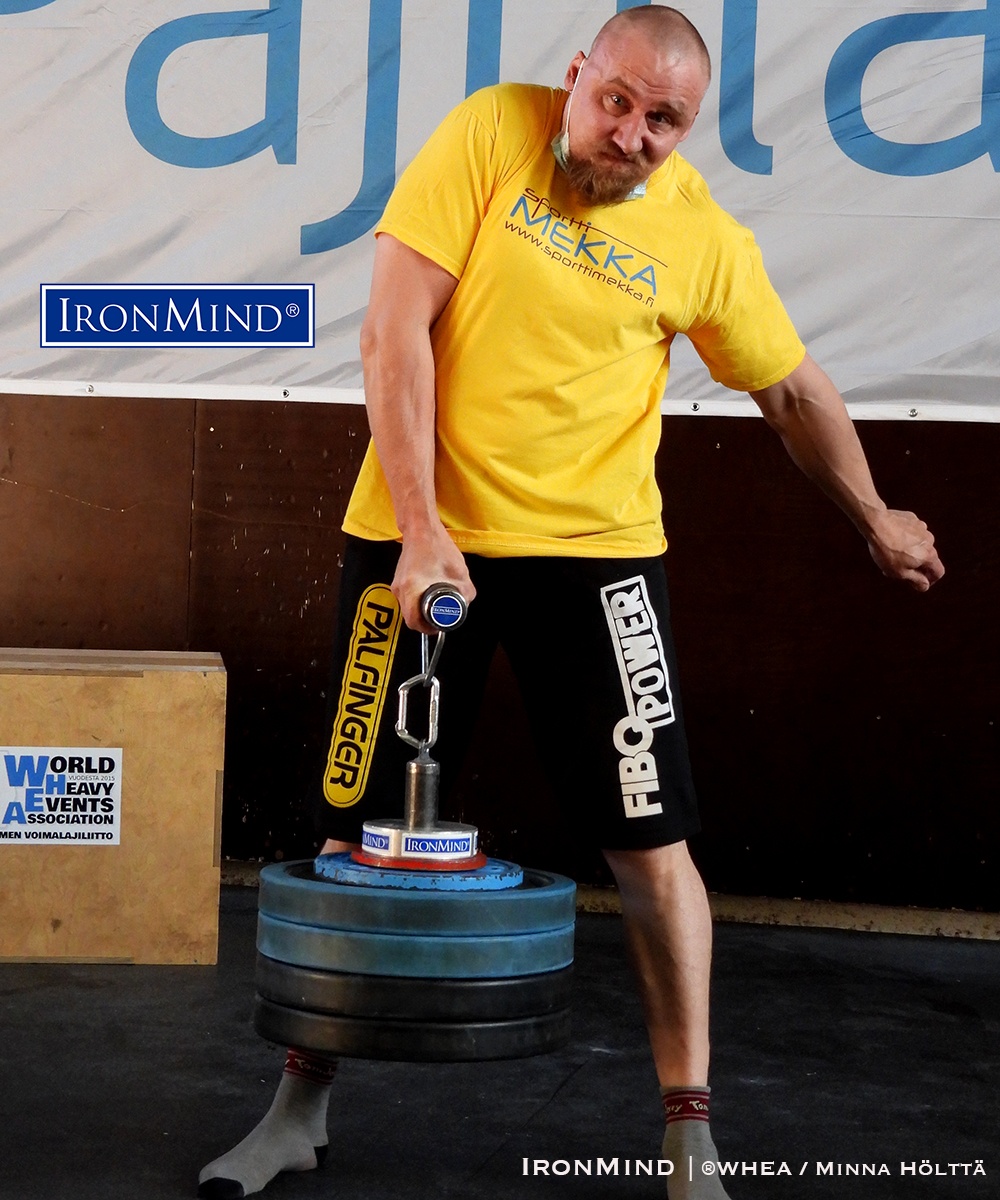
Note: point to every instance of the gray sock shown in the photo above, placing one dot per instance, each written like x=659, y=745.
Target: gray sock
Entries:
x=688, y=1144
x=291, y=1137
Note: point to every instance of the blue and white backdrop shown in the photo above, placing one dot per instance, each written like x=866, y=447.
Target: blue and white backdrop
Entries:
x=211, y=142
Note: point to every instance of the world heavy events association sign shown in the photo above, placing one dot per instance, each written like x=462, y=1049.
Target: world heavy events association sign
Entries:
x=61, y=794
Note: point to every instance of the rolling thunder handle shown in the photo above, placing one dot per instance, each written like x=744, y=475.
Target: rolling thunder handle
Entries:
x=444, y=608
x=420, y=835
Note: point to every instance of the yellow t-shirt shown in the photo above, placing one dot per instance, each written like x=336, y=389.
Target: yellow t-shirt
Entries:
x=553, y=352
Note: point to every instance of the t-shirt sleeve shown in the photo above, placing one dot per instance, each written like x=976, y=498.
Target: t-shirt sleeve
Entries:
x=745, y=337
x=439, y=202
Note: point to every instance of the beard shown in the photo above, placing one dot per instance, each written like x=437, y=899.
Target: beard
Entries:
x=610, y=181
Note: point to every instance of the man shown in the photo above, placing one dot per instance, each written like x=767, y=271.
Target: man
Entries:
x=531, y=270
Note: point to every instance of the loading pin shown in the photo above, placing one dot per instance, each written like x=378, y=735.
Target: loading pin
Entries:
x=420, y=839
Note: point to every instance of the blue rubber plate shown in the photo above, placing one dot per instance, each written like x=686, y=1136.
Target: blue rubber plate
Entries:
x=411, y=1041
x=495, y=876
x=291, y=892
x=414, y=955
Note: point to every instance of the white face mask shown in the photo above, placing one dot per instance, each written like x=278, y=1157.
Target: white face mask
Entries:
x=560, y=143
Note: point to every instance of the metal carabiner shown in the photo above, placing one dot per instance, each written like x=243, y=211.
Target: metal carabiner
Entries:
x=427, y=679
x=444, y=608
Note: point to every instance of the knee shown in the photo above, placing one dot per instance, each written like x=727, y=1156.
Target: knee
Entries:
x=646, y=870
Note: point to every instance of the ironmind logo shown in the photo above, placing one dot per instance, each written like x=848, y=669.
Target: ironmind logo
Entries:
x=582, y=247
x=179, y=314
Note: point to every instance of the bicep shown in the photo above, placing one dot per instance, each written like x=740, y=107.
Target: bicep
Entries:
x=408, y=289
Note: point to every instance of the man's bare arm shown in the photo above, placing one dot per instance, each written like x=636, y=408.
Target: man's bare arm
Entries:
x=408, y=294
x=808, y=413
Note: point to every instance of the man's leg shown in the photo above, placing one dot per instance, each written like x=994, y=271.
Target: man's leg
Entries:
x=616, y=754
x=668, y=931
x=292, y=1134
x=668, y=928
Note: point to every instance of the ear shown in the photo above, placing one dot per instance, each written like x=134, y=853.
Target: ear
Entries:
x=684, y=136
x=573, y=70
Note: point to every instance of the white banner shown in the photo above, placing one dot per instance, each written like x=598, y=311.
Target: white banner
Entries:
x=205, y=142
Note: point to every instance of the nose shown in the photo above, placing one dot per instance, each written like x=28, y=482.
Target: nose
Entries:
x=628, y=132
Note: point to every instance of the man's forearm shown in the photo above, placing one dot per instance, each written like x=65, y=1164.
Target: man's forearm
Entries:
x=808, y=413
x=399, y=397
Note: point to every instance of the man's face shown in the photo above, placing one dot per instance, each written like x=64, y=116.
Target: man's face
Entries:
x=633, y=103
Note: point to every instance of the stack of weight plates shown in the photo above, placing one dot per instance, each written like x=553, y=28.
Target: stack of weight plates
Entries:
x=414, y=966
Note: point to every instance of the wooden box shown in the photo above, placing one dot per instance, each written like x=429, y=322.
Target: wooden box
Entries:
x=110, y=805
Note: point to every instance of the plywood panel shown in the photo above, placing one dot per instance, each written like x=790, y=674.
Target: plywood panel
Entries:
x=271, y=485
x=154, y=897
x=95, y=509
x=845, y=731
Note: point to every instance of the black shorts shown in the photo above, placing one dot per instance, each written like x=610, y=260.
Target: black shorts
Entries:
x=589, y=642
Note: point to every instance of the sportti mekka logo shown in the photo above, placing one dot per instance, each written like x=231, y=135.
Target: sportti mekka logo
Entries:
x=177, y=314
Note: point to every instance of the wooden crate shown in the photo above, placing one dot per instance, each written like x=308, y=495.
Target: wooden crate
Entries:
x=154, y=897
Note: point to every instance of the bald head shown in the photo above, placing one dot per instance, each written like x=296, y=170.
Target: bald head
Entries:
x=631, y=102
x=666, y=29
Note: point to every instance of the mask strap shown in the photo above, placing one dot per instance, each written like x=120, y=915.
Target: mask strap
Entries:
x=560, y=143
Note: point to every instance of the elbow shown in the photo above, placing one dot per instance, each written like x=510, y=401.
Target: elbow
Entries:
x=780, y=408
x=784, y=414
x=369, y=339
x=800, y=399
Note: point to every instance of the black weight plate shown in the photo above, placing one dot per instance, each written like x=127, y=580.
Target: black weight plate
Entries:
x=385, y=996
x=411, y=1041
x=292, y=892
x=414, y=955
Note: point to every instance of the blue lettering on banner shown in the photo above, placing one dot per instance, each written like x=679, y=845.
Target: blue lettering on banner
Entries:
x=736, y=104
x=482, y=62
x=737, y=73
x=845, y=114
x=177, y=315
x=844, y=109
x=375, y=841
x=378, y=173
x=281, y=23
